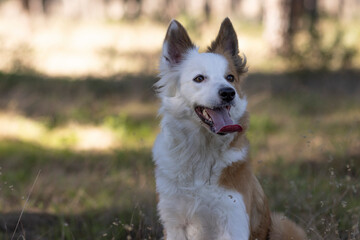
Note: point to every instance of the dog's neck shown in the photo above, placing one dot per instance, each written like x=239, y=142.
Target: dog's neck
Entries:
x=195, y=155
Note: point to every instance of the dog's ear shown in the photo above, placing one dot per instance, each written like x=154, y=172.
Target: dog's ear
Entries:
x=226, y=43
x=177, y=42
x=226, y=39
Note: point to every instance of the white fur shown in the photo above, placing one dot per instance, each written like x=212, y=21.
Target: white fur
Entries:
x=189, y=158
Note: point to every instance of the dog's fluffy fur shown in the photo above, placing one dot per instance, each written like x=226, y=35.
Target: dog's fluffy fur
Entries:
x=204, y=179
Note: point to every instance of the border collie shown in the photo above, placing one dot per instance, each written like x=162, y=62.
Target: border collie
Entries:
x=204, y=180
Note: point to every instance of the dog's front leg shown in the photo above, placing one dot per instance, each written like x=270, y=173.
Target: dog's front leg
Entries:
x=172, y=214
x=175, y=232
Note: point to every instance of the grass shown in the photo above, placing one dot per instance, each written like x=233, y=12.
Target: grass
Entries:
x=327, y=205
x=305, y=149
x=78, y=188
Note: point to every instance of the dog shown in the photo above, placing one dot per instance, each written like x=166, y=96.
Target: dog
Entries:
x=206, y=188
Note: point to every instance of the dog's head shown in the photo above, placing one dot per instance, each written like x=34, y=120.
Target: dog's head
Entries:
x=203, y=87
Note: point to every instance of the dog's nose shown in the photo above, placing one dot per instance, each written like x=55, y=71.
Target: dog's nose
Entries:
x=227, y=94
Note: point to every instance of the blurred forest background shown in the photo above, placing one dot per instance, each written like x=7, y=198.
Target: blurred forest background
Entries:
x=78, y=115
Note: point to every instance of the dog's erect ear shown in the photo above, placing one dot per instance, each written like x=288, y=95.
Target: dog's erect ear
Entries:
x=177, y=42
x=226, y=39
x=226, y=43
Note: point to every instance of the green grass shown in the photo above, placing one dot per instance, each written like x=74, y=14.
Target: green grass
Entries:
x=304, y=144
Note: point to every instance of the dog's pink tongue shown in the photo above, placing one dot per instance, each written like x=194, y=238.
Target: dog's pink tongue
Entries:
x=222, y=121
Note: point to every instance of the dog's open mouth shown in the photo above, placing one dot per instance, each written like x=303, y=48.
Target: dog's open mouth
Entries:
x=218, y=119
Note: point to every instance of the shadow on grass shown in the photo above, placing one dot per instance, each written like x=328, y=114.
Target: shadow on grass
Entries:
x=323, y=82
x=308, y=93
x=112, y=223
x=60, y=100
x=92, y=195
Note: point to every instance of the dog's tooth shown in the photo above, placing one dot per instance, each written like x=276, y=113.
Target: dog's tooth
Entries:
x=206, y=114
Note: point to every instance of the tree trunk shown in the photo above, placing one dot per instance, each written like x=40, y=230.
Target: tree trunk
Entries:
x=280, y=21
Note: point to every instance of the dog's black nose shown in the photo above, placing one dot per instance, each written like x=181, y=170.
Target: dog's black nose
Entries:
x=227, y=94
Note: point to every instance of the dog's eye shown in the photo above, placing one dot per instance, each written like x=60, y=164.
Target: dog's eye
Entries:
x=230, y=78
x=199, y=78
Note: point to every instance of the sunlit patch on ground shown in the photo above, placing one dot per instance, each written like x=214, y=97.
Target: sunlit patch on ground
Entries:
x=72, y=136
x=114, y=133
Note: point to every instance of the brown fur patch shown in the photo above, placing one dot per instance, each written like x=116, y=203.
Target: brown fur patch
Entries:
x=260, y=220
x=236, y=177
x=284, y=229
x=239, y=177
x=240, y=139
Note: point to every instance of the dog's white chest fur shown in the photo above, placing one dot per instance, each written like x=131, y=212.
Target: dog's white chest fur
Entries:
x=192, y=205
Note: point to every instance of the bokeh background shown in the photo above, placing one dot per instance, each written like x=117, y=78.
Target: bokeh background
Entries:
x=78, y=114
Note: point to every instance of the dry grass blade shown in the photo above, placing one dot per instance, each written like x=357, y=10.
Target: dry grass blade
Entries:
x=27, y=200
